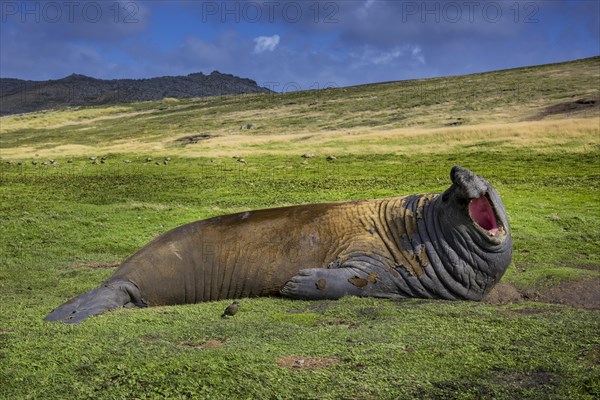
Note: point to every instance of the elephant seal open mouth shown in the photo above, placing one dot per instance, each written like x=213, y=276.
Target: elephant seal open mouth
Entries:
x=454, y=246
x=483, y=215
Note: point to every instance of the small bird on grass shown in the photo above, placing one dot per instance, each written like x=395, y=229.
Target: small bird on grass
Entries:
x=231, y=309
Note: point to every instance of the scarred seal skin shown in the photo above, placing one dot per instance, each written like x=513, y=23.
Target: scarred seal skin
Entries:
x=454, y=245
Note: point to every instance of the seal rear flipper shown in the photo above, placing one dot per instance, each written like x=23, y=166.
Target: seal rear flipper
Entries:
x=109, y=296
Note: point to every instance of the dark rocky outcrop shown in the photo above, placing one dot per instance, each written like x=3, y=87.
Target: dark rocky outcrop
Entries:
x=20, y=96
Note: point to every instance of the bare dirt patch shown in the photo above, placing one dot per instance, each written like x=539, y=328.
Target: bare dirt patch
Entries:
x=209, y=344
x=527, y=381
x=193, y=139
x=590, y=357
x=580, y=294
x=569, y=108
x=5, y=330
x=96, y=265
x=503, y=293
x=306, y=363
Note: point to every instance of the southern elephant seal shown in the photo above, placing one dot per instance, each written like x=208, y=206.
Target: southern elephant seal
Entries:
x=454, y=245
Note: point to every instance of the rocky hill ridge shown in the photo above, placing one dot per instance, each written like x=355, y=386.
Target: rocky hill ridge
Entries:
x=21, y=96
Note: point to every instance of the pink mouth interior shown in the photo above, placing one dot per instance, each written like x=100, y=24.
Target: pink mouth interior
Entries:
x=483, y=214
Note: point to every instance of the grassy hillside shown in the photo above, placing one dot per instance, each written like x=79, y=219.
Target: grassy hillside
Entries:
x=410, y=112
x=534, y=133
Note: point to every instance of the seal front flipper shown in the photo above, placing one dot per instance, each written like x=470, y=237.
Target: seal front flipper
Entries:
x=106, y=297
x=332, y=284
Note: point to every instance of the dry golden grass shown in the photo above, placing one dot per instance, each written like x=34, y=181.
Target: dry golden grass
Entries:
x=538, y=107
x=573, y=135
x=57, y=119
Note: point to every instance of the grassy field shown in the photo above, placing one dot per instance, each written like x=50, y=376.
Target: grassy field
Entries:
x=534, y=133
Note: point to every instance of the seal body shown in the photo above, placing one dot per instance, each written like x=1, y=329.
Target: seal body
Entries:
x=454, y=245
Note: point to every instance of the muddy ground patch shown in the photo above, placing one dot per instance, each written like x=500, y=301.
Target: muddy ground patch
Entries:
x=569, y=108
x=580, y=294
x=306, y=363
x=193, y=139
x=202, y=345
x=503, y=293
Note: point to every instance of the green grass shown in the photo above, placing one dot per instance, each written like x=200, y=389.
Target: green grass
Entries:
x=61, y=221
x=78, y=213
x=390, y=350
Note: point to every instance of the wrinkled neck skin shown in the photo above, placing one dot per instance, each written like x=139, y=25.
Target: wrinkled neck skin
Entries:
x=467, y=236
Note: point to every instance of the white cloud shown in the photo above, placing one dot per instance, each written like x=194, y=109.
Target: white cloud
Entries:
x=363, y=11
x=372, y=56
x=417, y=54
x=386, y=57
x=265, y=43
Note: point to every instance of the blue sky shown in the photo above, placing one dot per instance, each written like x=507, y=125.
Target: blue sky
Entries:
x=289, y=44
